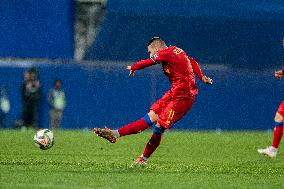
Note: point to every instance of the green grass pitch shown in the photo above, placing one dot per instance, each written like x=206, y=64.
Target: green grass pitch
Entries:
x=184, y=160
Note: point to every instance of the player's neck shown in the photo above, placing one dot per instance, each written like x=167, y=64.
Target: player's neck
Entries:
x=163, y=47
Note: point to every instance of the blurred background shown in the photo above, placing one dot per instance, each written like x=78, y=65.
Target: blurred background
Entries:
x=63, y=61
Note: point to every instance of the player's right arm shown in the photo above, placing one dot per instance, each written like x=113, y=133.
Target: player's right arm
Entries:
x=140, y=65
x=278, y=74
x=198, y=72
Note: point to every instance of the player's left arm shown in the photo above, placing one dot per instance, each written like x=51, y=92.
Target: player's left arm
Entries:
x=140, y=65
x=278, y=74
x=198, y=72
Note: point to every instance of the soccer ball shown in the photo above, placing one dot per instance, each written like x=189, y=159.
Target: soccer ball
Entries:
x=44, y=139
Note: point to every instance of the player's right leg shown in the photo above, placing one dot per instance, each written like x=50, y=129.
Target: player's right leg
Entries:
x=271, y=151
x=131, y=128
x=151, y=146
x=173, y=111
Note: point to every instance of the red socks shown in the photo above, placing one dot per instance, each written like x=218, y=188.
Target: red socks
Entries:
x=151, y=146
x=139, y=126
x=133, y=128
x=277, y=135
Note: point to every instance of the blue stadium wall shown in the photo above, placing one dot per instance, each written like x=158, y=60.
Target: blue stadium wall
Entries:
x=37, y=29
x=102, y=94
x=237, y=42
x=235, y=32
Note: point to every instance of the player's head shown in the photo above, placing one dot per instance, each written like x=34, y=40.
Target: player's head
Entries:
x=155, y=44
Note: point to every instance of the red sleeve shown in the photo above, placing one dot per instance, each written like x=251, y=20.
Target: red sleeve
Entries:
x=143, y=64
x=283, y=72
x=196, y=68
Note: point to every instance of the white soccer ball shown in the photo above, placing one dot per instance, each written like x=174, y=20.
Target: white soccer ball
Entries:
x=44, y=139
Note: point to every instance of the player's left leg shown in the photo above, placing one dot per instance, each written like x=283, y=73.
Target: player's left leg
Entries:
x=136, y=126
x=271, y=151
x=132, y=128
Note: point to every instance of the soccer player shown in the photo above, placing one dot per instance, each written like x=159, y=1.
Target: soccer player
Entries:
x=176, y=102
x=271, y=151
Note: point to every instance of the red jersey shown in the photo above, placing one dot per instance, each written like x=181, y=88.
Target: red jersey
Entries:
x=178, y=66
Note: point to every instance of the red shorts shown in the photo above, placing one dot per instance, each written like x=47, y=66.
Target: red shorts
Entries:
x=281, y=109
x=170, y=109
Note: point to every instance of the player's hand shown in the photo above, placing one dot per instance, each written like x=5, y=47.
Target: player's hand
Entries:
x=278, y=74
x=207, y=80
x=131, y=72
